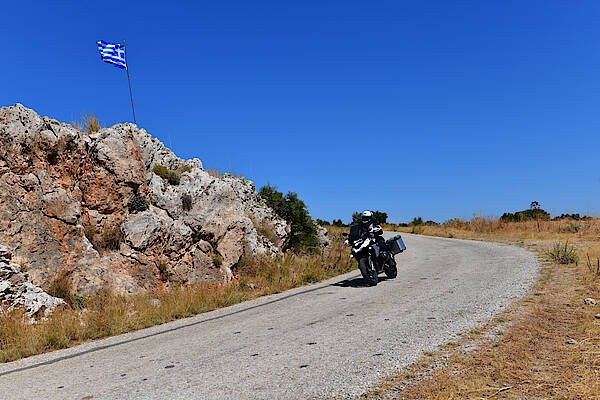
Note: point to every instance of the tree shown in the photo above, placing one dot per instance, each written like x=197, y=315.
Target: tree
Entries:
x=322, y=222
x=534, y=205
x=379, y=216
x=337, y=222
x=293, y=211
x=417, y=221
x=532, y=214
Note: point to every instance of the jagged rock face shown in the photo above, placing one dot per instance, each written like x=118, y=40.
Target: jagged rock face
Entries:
x=64, y=200
x=17, y=290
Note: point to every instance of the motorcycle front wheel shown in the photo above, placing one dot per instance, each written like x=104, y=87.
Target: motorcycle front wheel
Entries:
x=367, y=271
x=390, y=269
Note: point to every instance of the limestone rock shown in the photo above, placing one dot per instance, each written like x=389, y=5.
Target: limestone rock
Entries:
x=5, y=254
x=64, y=207
x=143, y=229
x=323, y=236
x=16, y=289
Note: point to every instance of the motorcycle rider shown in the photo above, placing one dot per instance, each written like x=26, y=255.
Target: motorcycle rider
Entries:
x=372, y=227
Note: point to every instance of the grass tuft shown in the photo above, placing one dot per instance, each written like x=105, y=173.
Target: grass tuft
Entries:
x=563, y=254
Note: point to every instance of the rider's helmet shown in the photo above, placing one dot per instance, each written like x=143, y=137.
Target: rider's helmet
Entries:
x=366, y=217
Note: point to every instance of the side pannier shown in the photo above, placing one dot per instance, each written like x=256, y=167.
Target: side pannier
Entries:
x=396, y=244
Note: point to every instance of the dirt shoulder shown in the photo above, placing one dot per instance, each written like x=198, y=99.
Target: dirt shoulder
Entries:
x=546, y=345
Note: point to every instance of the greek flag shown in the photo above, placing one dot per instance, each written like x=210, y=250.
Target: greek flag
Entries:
x=112, y=53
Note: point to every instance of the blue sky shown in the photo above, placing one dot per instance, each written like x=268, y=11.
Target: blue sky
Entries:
x=426, y=108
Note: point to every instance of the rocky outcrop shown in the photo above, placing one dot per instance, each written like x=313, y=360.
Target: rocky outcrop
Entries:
x=64, y=208
x=17, y=290
x=323, y=236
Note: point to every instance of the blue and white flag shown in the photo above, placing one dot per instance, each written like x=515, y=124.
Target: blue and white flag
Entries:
x=112, y=53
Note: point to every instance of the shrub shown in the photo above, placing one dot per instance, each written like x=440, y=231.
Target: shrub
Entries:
x=174, y=178
x=137, y=203
x=572, y=227
x=217, y=259
x=293, y=211
x=163, y=270
x=61, y=287
x=563, y=254
x=533, y=214
x=184, y=168
x=108, y=239
x=186, y=201
x=161, y=171
x=322, y=222
x=79, y=302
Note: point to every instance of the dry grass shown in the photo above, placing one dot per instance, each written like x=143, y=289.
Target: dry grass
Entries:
x=531, y=359
x=107, y=314
x=488, y=228
x=264, y=229
x=215, y=173
x=87, y=123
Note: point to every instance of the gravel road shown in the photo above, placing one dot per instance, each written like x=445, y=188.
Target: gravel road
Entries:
x=316, y=342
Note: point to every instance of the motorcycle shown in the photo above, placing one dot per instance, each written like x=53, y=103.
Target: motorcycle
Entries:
x=372, y=256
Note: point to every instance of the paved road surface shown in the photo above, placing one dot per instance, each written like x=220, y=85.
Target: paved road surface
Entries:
x=316, y=342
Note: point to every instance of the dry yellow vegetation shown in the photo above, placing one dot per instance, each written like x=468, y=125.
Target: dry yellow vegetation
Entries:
x=546, y=346
x=106, y=314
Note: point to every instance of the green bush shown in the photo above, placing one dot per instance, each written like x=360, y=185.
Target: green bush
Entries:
x=322, y=222
x=573, y=228
x=533, y=214
x=138, y=203
x=174, y=178
x=217, y=259
x=184, y=168
x=171, y=176
x=563, y=254
x=161, y=171
x=293, y=211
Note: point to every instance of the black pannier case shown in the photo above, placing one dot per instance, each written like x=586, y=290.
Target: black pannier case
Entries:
x=396, y=244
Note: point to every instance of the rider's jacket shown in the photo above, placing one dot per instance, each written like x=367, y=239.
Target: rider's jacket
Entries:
x=371, y=229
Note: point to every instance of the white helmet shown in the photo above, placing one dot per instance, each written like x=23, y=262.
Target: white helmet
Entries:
x=366, y=216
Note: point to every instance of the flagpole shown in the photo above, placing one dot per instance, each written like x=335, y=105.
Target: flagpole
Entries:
x=129, y=81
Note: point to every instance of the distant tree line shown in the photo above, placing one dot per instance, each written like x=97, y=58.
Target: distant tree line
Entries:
x=533, y=213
